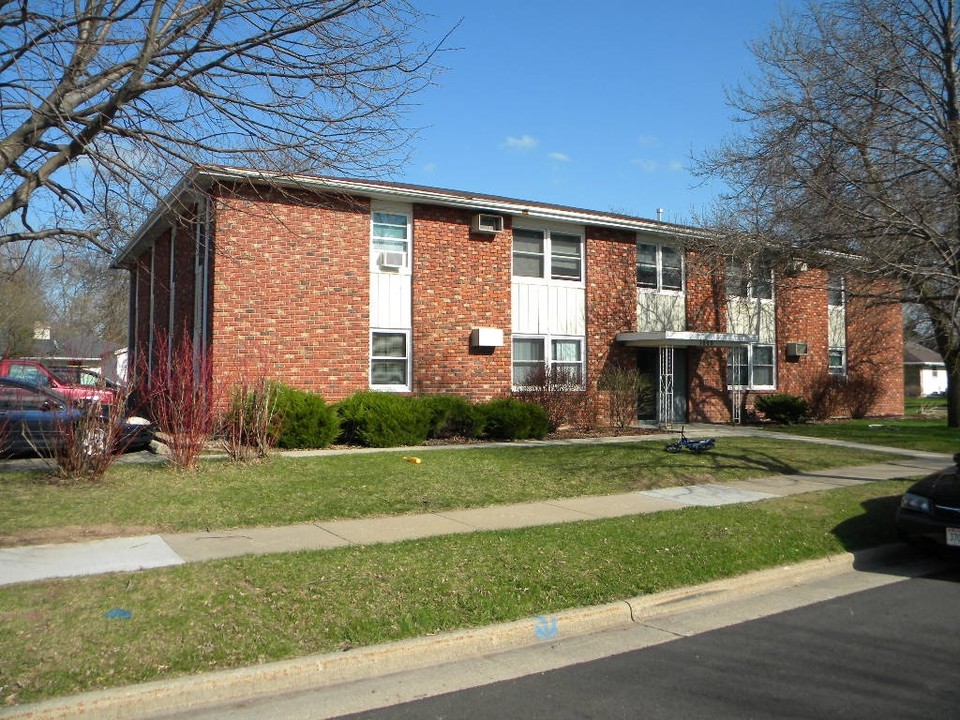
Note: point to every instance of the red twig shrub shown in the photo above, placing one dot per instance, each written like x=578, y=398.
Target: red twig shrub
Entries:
x=181, y=398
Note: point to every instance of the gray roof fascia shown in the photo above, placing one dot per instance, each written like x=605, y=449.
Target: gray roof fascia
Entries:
x=187, y=185
x=436, y=196
x=203, y=176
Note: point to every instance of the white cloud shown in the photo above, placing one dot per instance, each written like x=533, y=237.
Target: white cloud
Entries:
x=675, y=166
x=559, y=157
x=524, y=142
x=430, y=168
x=647, y=141
x=649, y=166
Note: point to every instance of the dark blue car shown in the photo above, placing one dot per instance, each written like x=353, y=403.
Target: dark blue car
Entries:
x=38, y=421
x=930, y=509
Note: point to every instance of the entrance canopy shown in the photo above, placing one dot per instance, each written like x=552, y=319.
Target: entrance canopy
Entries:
x=684, y=338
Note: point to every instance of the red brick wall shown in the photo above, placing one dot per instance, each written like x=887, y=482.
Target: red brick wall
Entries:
x=707, y=396
x=874, y=381
x=461, y=281
x=611, y=308
x=874, y=348
x=291, y=302
x=291, y=292
x=802, y=317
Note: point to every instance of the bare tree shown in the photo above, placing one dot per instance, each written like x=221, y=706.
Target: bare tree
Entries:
x=100, y=94
x=23, y=305
x=86, y=297
x=851, y=148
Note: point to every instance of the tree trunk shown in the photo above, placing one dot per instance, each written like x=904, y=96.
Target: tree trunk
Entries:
x=953, y=390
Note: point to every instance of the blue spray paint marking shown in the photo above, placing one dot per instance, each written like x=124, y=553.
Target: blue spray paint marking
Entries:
x=546, y=629
x=118, y=614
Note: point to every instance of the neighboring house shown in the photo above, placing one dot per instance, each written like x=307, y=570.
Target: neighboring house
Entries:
x=924, y=372
x=52, y=349
x=335, y=285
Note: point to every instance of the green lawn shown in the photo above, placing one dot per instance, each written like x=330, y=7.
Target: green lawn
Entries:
x=910, y=432
x=924, y=406
x=56, y=640
x=140, y=498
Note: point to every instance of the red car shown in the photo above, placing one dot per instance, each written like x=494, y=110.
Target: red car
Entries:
x=35, y=373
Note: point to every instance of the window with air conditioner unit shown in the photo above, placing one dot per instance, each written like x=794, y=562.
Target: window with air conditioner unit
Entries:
x=392, y=260
x=487, y=224
x=390, y=238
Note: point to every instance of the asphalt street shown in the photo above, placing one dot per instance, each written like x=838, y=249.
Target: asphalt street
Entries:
x=885, y=652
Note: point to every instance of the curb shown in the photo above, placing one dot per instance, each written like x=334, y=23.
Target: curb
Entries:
x=324, y=670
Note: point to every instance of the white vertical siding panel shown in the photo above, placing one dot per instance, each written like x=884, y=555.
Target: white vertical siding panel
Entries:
x=390, y=301
x=836, y=326
x=659, y=312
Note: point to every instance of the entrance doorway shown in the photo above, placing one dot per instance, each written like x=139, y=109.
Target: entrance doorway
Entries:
x=649, y=365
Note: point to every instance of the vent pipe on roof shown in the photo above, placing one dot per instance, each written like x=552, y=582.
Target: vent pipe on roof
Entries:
x=659, y=214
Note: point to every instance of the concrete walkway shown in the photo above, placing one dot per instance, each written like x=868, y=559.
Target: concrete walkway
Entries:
x=31, y=563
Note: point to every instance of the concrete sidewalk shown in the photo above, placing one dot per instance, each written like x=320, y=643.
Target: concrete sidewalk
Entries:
x=38, y=562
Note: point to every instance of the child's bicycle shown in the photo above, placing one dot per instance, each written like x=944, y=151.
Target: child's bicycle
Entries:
x=695, y=446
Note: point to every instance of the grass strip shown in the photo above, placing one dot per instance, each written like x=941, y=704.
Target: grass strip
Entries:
x=931, y=435
x=55, y=638
x=284, y=490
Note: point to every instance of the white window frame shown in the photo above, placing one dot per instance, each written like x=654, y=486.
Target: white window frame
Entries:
x=390, y=211
x=750, y=271
x=836, y=287
x=658, y=269
x=549, y=361
x=751, y=366
x=407, y=358
x=548, y=256
x=837, y=370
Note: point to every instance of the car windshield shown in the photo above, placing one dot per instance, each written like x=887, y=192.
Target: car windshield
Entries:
x=79, y=376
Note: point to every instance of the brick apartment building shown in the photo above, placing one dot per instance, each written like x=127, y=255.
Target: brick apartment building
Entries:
x=335, y=285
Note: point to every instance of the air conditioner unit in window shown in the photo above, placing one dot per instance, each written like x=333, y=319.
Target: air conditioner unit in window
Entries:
x=392, y=260
x=487, y=224
x=796, y=349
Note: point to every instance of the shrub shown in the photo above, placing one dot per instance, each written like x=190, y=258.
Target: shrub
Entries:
x=453, y=416
x=305, y=421
x=181, y=397
x=510, y=419
x=782, y=408
x=250, y=425
x=377, y=419
x=627, y=389
x=559, y=393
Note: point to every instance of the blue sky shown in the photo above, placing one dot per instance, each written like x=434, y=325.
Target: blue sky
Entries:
x=595, y=105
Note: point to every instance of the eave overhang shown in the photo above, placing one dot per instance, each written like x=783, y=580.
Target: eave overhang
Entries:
x=675, y=338
x=203, y=177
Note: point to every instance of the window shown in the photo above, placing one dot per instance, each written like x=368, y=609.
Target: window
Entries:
x=566, y=362
x=749, y=280
x=390, y=239
x=528, y=248
x=835, y=290
x=565, y=257
x=27, y=373
x=528, y=361
x=659, y=267
x=533, y=248
x=837, y=361
x=532, y=367
x=761, y=366
x=389, y=359
x=751, y=366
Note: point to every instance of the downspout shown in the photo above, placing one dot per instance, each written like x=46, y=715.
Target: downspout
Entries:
x=171, y=333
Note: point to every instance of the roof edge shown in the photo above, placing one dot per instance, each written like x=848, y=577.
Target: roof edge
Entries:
x=201, y=176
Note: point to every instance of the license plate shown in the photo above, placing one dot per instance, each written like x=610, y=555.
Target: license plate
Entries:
x=953, y=536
